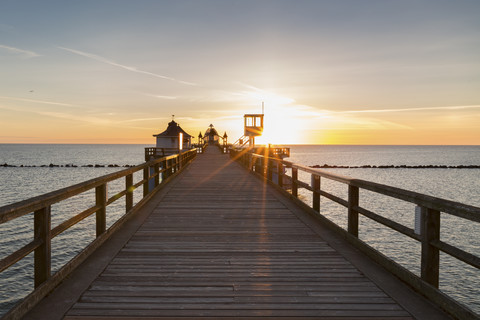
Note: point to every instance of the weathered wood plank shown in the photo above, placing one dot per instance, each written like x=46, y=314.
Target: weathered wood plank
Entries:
x=340, y=296
x=236, y=286
x=240, y=306
x=229, y=318
x=237, y=299
x=268, y=312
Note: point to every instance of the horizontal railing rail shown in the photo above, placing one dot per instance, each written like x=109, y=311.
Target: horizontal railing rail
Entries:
x=224, y=148
x=200, y=147
x=154, y=152
x=274, y=171
x=268, y=150
x=41, y=206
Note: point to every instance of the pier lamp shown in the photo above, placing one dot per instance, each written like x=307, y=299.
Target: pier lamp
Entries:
x=225, y=138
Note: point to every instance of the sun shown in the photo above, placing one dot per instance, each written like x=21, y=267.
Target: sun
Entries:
x=281, y=126
x=285, y=122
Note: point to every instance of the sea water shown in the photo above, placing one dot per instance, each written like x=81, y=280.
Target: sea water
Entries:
x=457, y=279
x=37, y=177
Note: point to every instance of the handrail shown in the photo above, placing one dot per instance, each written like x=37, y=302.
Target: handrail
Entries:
x=454, y=208
x=200, y=147
x=21, y=208
x=154, y=152
x=240, y=142
x=273, y=170
x=41, y=205
x=224, y=148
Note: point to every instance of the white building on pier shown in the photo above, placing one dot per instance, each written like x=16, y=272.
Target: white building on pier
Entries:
x=174, y=137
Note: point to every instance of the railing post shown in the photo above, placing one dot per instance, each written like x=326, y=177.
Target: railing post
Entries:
x=164, y=170
x=42, y=255
x=280, y=173
x=157, y=174
x=294, y=182
x=145, y=184
x=353, y=198
x=316, y=193
x=430, y=264
x=101, y=214
x=268, y=170
x=129, y=195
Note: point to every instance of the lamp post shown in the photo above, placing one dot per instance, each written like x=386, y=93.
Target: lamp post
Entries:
x=225, y=138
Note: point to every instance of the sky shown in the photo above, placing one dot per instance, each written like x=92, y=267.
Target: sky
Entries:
x=328, y=72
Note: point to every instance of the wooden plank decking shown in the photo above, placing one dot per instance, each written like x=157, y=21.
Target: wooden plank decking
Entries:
x=220, y=243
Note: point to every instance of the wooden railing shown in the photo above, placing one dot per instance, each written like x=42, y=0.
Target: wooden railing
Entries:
x=272, y=151
x=224, y=148
x=155, y=173
x=273, y=170
x=153, y=152
x=200, y=147
x=269, y=151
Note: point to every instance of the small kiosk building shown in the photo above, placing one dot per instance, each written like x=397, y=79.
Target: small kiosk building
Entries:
x=174, y=138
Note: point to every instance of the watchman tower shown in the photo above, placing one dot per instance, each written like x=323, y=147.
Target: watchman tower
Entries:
x=253, y=127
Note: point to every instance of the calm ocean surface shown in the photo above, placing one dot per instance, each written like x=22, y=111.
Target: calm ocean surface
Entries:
x=462, y=185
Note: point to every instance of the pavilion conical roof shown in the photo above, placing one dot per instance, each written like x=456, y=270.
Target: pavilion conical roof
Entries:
x=173, y=130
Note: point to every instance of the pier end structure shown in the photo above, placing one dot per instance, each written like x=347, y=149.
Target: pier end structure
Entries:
x=173, y=140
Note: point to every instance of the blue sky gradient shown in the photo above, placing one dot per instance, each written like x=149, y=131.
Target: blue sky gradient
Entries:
x=367, y=72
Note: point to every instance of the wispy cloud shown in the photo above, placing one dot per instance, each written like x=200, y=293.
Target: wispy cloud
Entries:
x=257, y=94
x=58, y=115
x=129, y=68
x=143, y=119
x=363, y=123
x=161, y=96
x=38, y=101
x=76, y=118
x=21, y=52
x=409, y=109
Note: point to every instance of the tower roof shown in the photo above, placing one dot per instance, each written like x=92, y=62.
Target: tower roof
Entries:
x=173, y=130
x=211, y=131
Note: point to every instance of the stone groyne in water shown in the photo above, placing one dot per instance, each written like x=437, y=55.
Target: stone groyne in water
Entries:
x=70, y=165
x=326, y=166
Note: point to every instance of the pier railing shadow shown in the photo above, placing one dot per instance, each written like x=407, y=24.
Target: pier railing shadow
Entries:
x=155, y=173
x=428, y=210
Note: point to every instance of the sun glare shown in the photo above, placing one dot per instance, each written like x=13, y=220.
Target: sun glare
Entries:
x=285, y=122
x=281, y=126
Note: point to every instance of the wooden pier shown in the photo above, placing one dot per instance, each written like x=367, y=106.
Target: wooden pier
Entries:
x=218, y=242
